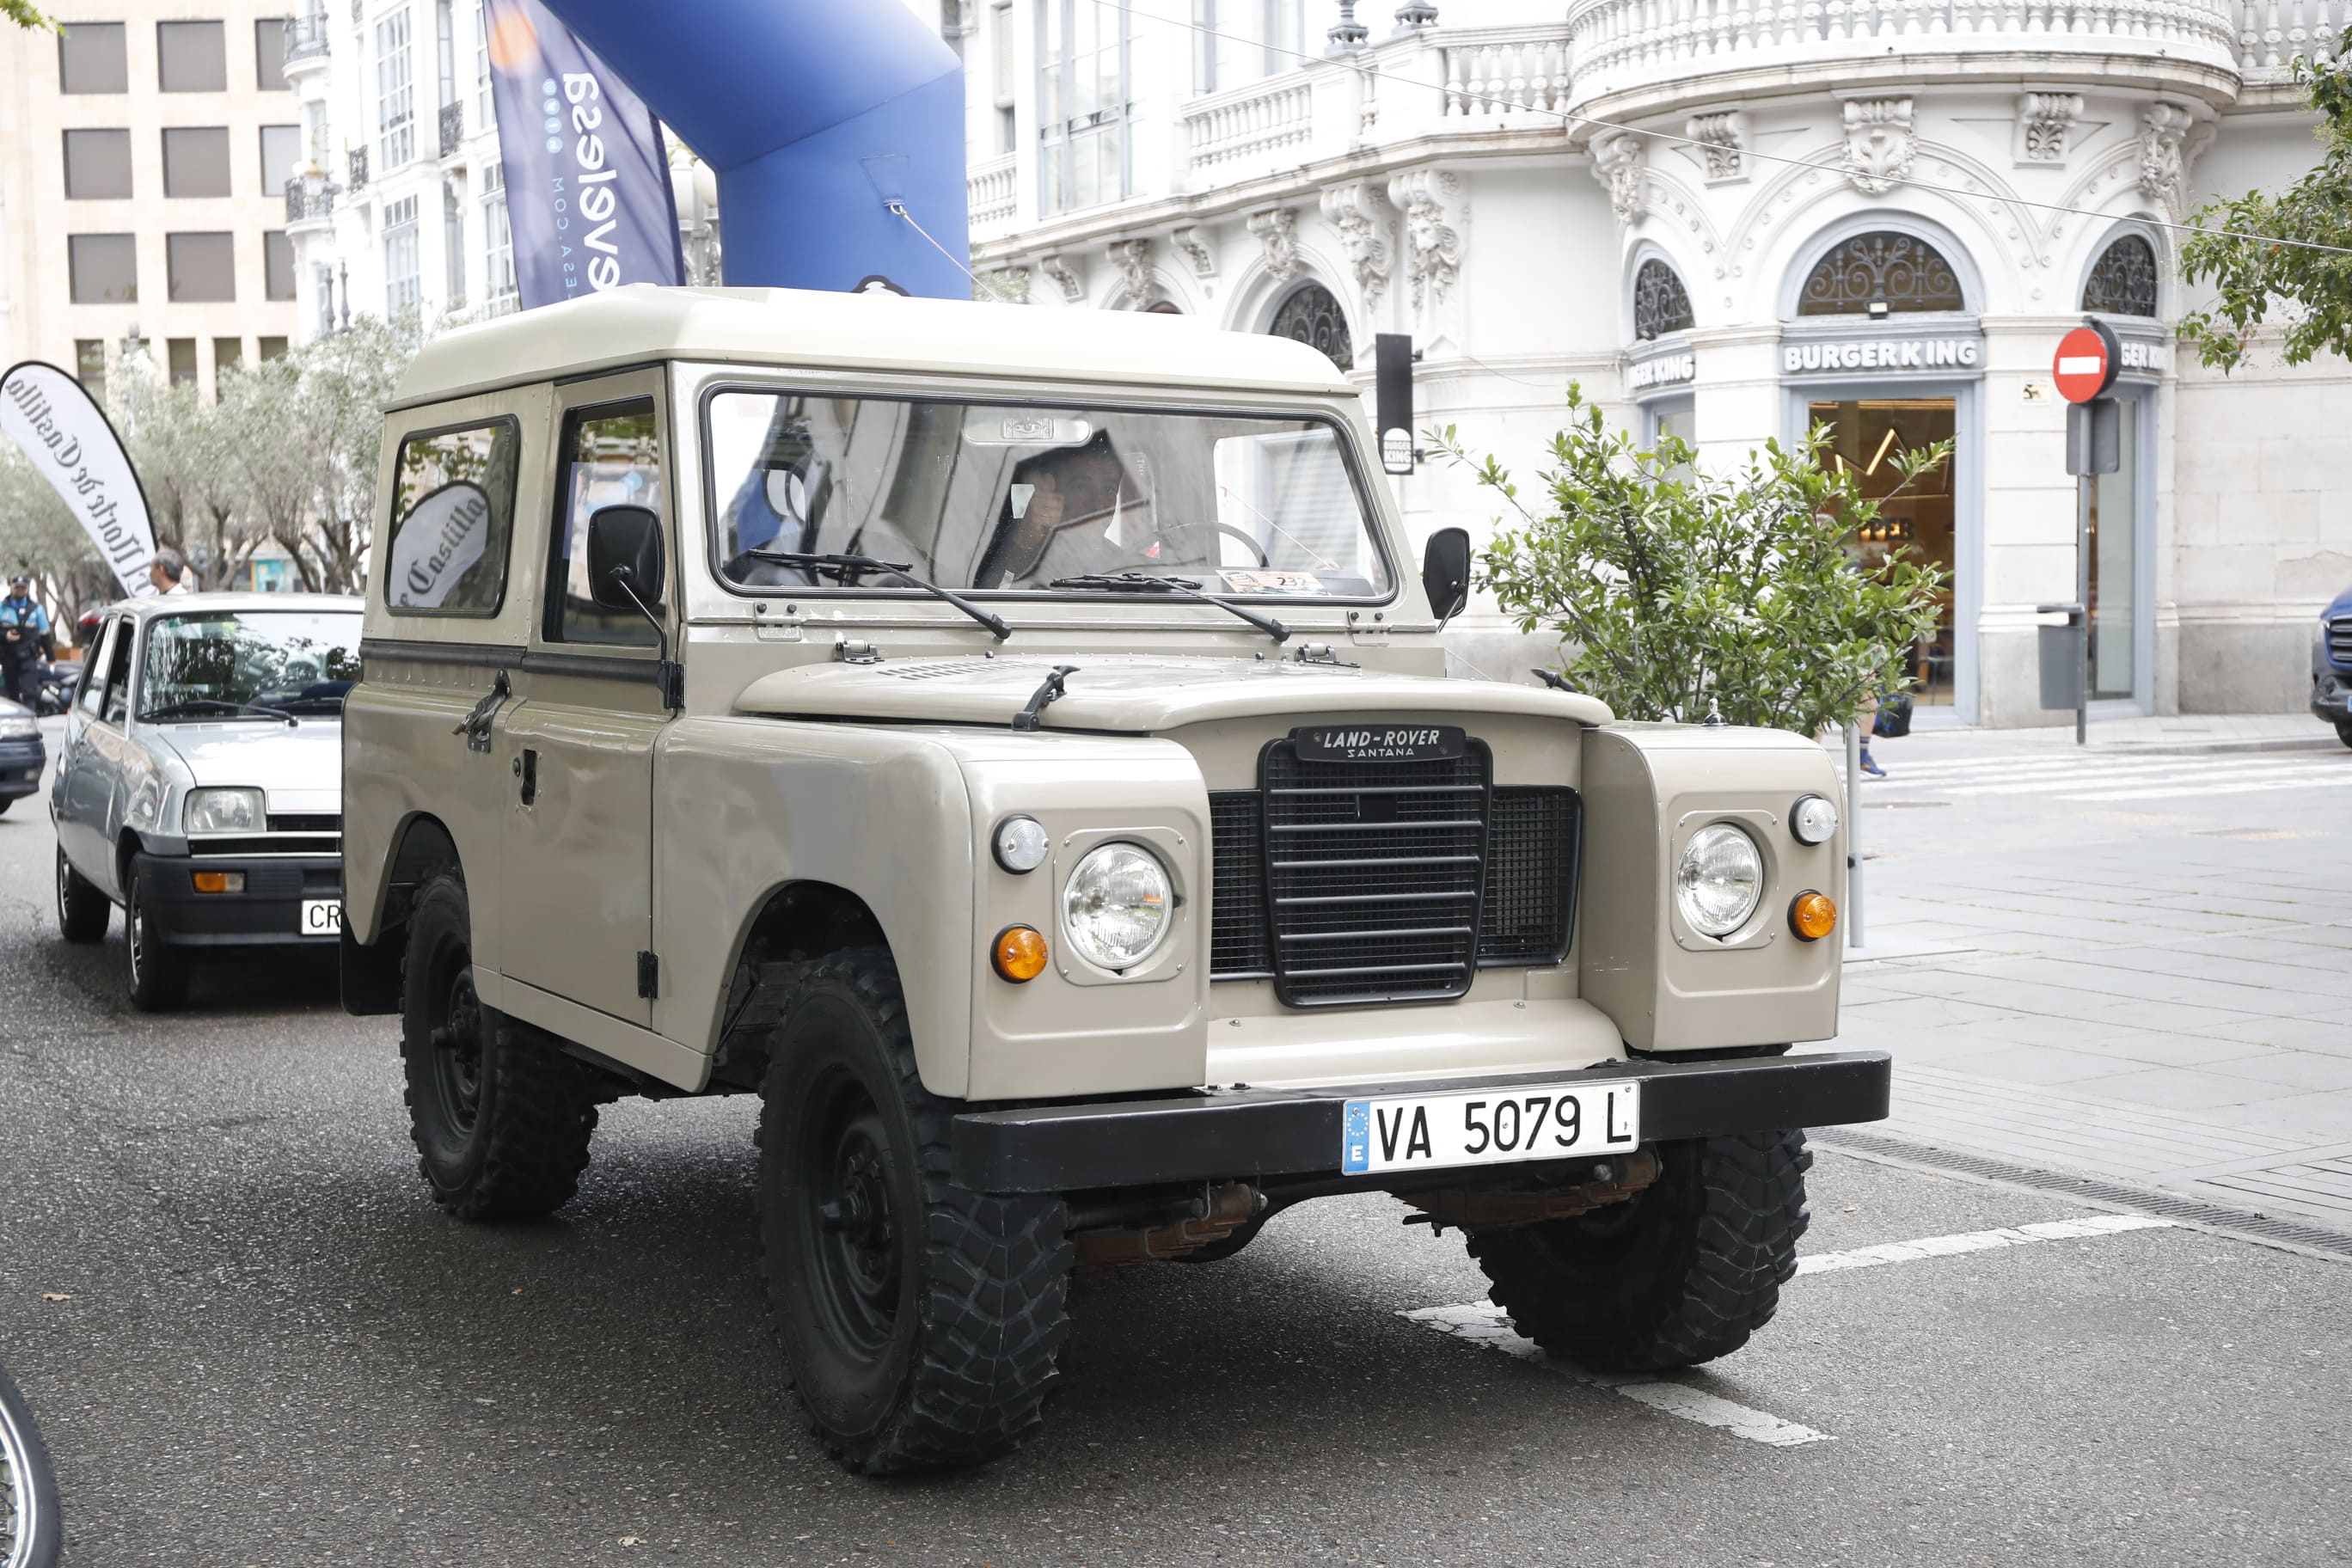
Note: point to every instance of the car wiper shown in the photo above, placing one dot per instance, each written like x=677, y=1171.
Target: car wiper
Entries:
x=1136, y=582
x=189, y=707
x=842, y=569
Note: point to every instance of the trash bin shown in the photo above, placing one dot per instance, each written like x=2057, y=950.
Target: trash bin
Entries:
x=2060, y=686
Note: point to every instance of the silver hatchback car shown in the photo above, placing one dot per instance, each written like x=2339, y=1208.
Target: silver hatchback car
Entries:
x=200, y=786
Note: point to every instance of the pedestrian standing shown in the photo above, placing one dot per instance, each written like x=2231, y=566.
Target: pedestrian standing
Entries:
x=169, y=572
x=24, y=643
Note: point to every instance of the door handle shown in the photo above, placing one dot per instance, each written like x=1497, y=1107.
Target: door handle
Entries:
x=476, y=725
x=526, y=769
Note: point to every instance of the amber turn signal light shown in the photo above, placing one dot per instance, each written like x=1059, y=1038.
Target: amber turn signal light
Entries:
x=1018, y=953
x=220, y=881
x=1813, y=915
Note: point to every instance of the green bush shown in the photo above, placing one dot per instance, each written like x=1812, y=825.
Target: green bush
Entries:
x=1675, y=592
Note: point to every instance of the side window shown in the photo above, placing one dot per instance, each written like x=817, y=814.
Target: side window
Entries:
x=96, y=661
x=115, y=703
x=452, y=517
x=609, y=456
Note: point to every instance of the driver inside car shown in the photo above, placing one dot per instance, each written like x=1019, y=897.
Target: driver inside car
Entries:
x=1067, y=512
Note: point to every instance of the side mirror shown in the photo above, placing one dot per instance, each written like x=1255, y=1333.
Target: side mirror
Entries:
x=1446, y=572
x=625, y=557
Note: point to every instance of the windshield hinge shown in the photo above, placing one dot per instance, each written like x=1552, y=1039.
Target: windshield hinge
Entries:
x=849, y=652
x=1321, y=653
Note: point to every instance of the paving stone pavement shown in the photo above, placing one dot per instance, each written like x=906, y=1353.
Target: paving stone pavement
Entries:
x=2132, y=964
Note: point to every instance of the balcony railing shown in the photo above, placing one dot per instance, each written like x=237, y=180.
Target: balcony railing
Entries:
x=453, y=128
x=1626, y=45
x=305, y=37
x=1505, y=75
x=358, y=182
x=989, y=194
x=2271, y=32
x=1258, y=121
x=303, y=204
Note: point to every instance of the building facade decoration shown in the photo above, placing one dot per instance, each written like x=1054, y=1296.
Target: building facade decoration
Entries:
x=1617, y=164
x=2044, y=122
x=1878, y=142
x=1195, y=249
x=2163, y=160
x=1722, y=144
x=1433, y=246
x=1310, y=314
x=1878, y=273
x=1361, y=213
x=1060, y=270
x=2123, y=281
x=1661, y=303
x=1133, y=259
x=1278, y=237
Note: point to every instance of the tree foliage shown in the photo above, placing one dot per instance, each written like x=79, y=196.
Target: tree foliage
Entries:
x=2308, y=290
x=23, y=13
x=1676, y=592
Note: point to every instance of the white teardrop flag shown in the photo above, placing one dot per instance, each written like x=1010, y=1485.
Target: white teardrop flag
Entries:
x=68, y=437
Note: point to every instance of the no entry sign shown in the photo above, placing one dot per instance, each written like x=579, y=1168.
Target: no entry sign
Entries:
x=2085, y=363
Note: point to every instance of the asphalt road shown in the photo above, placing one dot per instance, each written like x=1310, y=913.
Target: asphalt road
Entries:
x=271, y=1350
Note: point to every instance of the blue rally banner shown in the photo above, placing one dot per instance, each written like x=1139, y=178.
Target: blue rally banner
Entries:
x=588, y=192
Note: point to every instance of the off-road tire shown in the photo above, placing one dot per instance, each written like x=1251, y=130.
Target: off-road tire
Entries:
x=82, y=910
x=500, y=1115
x=157, y=971
x=1681, y=1273
x=915, y=1346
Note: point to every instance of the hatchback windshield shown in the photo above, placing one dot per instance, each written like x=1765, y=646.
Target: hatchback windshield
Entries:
x=987, y=496
x=223, y=663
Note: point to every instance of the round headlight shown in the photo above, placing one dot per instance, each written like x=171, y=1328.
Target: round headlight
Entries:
x=1019, y=844
x=1116, y=905
x=1812, y=819
x=1719, y=880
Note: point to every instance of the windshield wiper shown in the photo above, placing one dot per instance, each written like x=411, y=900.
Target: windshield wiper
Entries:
x=188, y=707
x=843, y=568
x=1136, y=582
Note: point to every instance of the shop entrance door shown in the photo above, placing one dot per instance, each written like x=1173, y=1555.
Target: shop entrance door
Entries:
x=1916, y=523
x=2115, y=508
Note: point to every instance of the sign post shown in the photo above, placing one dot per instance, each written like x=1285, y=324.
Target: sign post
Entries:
x=2083, y=370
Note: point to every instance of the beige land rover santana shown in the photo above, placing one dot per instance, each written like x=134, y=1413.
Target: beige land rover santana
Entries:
x=1015, y=744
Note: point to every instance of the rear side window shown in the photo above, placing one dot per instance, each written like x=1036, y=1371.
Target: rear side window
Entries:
x=452, y=519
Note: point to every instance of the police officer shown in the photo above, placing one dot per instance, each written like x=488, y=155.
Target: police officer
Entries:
x=24, y=643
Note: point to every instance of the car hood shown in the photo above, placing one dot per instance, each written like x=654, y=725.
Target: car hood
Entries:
x=1134, y=693
x=300, y=769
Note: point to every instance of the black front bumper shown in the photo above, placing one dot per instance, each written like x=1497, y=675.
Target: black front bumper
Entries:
x=21, y=763
x=1246, y=1134
x=268, y=913
x=2331, y=695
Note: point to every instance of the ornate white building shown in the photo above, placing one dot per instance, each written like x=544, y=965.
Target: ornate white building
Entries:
x=1733, y=220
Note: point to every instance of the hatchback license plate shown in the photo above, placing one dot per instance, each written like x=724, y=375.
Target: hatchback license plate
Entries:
x=1490, y=1126
x=322, y=917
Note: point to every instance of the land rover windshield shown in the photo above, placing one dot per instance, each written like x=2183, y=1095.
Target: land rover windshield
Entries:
x=991, y=497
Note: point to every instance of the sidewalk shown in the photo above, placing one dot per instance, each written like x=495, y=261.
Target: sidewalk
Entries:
x=2186, y=734
x=2153, y=982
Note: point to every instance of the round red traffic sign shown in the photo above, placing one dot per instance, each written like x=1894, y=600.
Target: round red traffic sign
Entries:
x=2085, y=363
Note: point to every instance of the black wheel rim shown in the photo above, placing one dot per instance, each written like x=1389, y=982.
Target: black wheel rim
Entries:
x=852, y=1220
x=458, y=1052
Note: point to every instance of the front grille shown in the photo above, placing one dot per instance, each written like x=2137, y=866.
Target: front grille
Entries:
x=1372, y=875
x=2339, y=639
x=320, y=822
x=1388, y=881
x=311, y=832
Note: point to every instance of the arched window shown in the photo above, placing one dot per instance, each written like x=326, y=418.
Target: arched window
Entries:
x=1313, y=317
x=1661, y=303
x=1163, y=308
x=1876, y=273
x=2123, y=281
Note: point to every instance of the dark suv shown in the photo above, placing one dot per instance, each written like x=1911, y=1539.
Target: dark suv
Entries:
x=2331, y=666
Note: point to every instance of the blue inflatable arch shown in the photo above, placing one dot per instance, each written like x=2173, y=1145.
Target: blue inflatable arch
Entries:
x=816, y=115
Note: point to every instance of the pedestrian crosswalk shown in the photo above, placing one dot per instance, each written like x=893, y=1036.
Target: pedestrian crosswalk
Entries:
x=2109, y=778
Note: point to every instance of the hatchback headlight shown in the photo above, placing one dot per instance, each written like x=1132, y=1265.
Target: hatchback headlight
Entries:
x=1116, y=906
x=225, y=811
x=1719, y=880
x=27, y=728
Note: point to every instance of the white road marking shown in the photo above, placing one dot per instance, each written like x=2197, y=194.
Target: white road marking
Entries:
x=2113, y=779
x=1481, y=1324
x=1977, y=1241
x=1484, y=1325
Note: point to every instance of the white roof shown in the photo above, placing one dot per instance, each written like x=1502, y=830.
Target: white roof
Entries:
x=240, y=603
x=878, y=332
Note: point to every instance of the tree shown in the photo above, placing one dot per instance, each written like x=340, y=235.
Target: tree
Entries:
x=22, y=13
x=1675, y=592
x=2310, y=289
